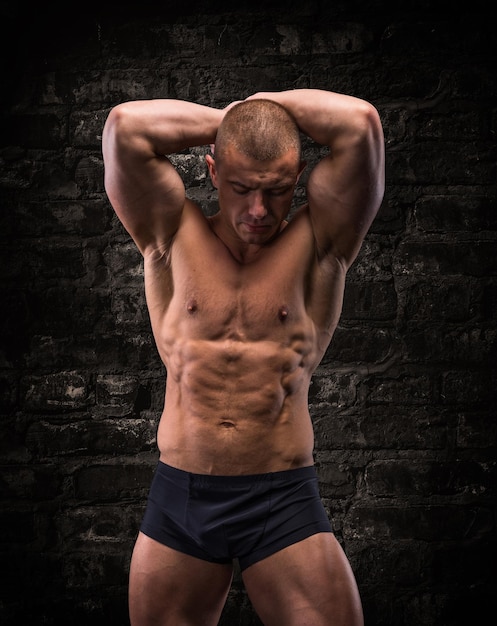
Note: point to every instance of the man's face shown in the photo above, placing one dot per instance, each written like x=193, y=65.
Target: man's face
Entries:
x=254, y=196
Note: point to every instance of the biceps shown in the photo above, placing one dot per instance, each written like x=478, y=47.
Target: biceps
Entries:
x=344, y=196
x=148, y=199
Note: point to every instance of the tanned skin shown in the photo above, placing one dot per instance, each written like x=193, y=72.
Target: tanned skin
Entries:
x=243, y=306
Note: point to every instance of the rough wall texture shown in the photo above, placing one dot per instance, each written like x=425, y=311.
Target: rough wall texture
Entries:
x=404, y=403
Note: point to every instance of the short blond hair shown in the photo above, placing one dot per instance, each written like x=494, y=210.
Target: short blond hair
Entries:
x=260, y=129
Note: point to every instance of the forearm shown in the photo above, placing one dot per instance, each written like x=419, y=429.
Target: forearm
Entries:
x=161, y=127
x=324, y=116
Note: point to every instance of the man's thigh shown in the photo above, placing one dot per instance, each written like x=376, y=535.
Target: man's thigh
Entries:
x=168, y=587
x=309, y=582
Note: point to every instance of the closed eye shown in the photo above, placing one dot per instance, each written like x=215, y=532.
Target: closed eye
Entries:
x=240, y=189
x=280, y=191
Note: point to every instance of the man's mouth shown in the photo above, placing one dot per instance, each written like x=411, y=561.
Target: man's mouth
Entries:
x=257, y=228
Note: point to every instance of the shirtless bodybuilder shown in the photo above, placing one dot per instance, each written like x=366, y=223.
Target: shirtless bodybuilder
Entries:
x=243, y=306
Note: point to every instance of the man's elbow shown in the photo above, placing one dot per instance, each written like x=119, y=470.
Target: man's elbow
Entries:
x=118, y=122
x=121, y=136
x=367, y=124
x=370, y=139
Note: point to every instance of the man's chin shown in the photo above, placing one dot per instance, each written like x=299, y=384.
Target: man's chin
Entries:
x=257, y=233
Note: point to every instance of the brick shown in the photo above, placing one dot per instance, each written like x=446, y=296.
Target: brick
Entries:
x=91, y=438
x=443, y=258
x=445, y=124
x=82, y=570
x=29, y=482
x=112, y=483
x=436, y=300
x=86, y=128
x=65, y=217
x=417, y=522
x=125, y=264
x=116, y=394
x=468, y=347
x=65, y=310
x=335, y=481
x=409, y=427
x=455, y=213
x=370, y=301
x=357, y=344
x=62, y=352
x=374, y=261
x=191, y=167
x=336, y=391
x=56, y=392
x=472, y=388
x=340, y=38
x=406, y=567
x=395, y=121
x=403, y=389
x=129, y=307
x=406, y=478
x=476, y=430
x=94, y=527
x=53, y=259
x=103, y=350
x=89, y=174
x=332, y=431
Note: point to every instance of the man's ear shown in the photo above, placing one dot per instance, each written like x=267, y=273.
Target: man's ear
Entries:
x=303, y=165
x=211, y=164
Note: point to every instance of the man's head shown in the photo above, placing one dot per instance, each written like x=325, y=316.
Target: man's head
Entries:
x=255, y=168
x=260, y=129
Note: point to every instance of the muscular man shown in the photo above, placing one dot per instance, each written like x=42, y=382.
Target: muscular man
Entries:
x=243, y=306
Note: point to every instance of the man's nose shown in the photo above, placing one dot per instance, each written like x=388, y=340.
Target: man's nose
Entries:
x=257, y=207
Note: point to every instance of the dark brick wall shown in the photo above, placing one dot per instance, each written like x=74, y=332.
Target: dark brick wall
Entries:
x=404, y=403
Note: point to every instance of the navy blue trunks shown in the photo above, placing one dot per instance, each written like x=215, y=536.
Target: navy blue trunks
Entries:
x=221, y=518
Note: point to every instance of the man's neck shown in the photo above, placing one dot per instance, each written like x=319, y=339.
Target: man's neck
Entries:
x=244, y=253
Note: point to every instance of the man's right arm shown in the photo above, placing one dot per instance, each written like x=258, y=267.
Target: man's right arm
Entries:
x=143, y=187
x=346, y=187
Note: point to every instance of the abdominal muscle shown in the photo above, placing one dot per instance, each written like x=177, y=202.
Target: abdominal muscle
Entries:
x=236, y=407
x=240, y=343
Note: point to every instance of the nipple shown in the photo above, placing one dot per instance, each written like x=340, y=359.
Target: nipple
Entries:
x=191, y=306
x=283, y=313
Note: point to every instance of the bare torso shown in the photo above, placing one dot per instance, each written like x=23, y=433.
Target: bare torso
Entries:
x=240, y=343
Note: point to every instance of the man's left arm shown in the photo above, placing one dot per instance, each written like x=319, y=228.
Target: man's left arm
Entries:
x=346, y=187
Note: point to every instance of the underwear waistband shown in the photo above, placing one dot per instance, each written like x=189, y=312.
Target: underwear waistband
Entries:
x=216, y=480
